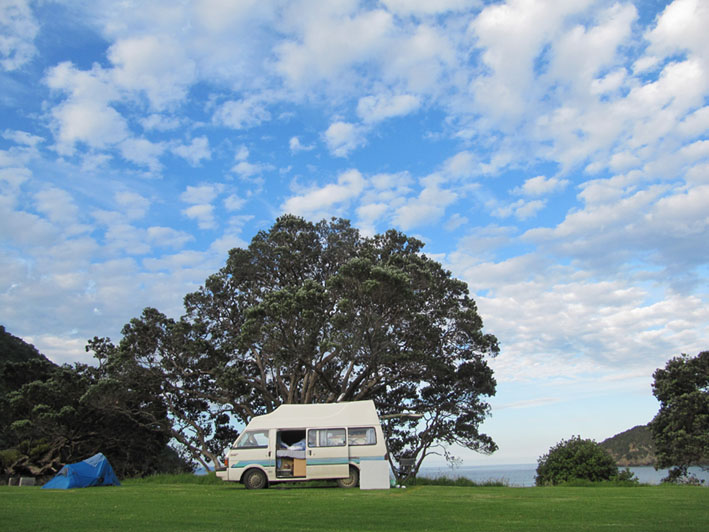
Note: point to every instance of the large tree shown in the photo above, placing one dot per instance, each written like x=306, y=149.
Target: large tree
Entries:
x=681, y=427
x=314, y=313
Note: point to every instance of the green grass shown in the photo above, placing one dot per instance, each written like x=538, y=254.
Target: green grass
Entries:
x=180, y=504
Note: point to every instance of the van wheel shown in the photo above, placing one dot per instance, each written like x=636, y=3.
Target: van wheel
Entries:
x=350, y=482
x=255, y=480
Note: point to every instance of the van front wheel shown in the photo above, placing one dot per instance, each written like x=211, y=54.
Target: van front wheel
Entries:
x=255, y=480
x=351, y=481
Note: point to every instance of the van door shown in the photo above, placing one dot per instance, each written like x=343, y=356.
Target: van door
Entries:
x=254, y=447
x=327, y=455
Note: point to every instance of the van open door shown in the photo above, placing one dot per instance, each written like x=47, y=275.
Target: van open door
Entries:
x=327, y=454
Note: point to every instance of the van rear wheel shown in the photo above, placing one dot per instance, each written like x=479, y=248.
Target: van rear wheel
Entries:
x=350, y=482
x=255, y=479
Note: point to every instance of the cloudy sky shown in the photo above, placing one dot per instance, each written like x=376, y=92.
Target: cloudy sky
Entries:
x=553, y=154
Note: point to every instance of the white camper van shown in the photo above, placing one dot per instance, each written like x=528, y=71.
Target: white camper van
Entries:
x=342, y=441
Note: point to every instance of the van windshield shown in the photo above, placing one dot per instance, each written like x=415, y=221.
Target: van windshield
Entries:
x=253, y=439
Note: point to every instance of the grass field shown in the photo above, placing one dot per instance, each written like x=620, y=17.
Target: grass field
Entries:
x=173, y=505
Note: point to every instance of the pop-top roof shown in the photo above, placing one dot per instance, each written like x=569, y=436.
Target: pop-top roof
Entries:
x=354, y=413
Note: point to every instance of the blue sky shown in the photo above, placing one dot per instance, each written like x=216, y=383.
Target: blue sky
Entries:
x=552, y=154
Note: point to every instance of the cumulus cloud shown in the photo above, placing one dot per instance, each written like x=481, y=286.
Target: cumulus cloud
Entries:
x=18, y=29
x=326, y=201
x=143, y=152
x=194, y=152
x=241, y=114
x=541, y=186
x=205, y=193
x=379, y=107
x=296, y=146
x=429, y=206
x=343, y=137
x=86, y=115
x=154, y=65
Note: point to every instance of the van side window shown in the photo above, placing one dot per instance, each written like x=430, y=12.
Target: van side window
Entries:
x=253, y=439
x=326, y=438
x=362, y=436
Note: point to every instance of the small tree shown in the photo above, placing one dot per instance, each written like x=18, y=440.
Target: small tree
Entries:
x=681, y=427
x=575, y=459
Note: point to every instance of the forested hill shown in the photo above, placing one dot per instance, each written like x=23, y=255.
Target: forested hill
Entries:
x=14, y=349
x=20, y=363
x=633, y=447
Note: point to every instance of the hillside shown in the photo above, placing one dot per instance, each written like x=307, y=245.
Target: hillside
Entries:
x=20, y=363
x=633, y=447
x=14, y=349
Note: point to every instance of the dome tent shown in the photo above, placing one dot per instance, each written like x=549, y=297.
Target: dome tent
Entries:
x=94, y=471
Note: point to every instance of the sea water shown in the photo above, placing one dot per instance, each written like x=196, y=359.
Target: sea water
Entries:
x=522, y=475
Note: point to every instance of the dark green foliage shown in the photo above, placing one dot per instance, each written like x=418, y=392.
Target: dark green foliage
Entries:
x=54, y=415
x=681, y=427
x=634, y=447
x=576, y=459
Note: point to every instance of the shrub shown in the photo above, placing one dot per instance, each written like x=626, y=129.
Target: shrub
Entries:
x=576, y=459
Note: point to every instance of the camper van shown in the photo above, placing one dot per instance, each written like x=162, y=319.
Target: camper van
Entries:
x=339, y=441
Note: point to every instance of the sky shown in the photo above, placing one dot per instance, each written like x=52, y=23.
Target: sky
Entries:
x=552, y=154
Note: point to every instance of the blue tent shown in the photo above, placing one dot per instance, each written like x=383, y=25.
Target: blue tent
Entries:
x=94, y=471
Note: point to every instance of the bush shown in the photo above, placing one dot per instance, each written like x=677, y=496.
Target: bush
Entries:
x=577, y=459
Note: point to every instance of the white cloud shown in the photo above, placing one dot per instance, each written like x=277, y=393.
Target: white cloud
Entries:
x=428, y=207
x=323, y=46
x=60, y=209
x=541, y=186
x=322, y=202
x=133, y=205
x=160, y=122
x=234, y=202
x=295, y=145
x=241, y=114
x=372, y=109
x=681, y=27
x=342, y=138
x=22, y=137
x=203, y=213
x=168, y=237
x=143, y=152
x=205, y=193
x=155, y=65
x=18, y=29
x=520, y=209
x=195, y=152
x=86, y=116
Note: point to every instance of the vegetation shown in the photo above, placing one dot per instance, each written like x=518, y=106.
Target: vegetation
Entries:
x=145, y=505
x=681, y=427
x=634, y=447
x=577, y=459
x=314, y=313
x=52, y=415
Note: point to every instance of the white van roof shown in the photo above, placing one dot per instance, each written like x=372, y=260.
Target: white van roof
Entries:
x=346, y=414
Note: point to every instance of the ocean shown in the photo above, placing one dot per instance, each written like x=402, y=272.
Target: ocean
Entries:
x=522, y=475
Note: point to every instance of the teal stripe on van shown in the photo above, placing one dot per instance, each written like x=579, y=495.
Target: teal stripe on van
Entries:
x=358, y=459
x=327, y=461
x=245, y=463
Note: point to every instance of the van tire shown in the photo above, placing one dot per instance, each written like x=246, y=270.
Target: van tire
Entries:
x=255, y=479
x=350, y=482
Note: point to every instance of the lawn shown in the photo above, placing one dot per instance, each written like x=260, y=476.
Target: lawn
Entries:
x=140, y=505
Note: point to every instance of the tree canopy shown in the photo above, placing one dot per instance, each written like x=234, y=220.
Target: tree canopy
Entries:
x=314, y=313
x=52, y=415
x=681, y=427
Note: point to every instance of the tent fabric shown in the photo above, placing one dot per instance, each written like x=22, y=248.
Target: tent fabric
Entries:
x=94, y=471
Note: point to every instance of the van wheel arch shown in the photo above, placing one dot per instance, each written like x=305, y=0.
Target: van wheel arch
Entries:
x=255, y=479
x=352, y=481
